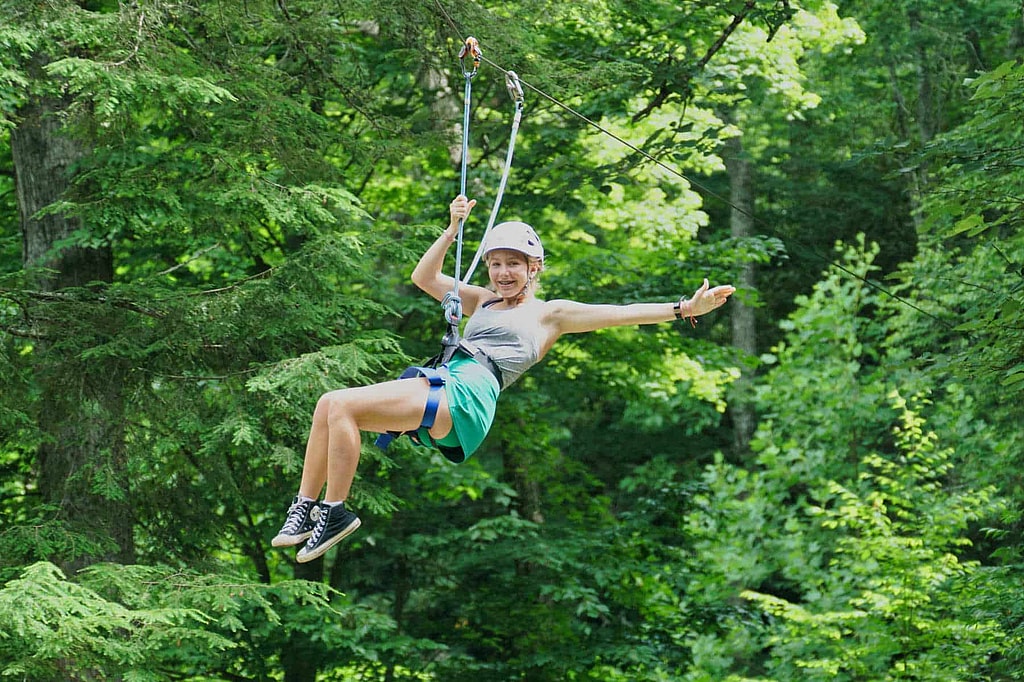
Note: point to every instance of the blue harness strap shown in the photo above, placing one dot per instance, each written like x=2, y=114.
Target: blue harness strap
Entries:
x=437, y=377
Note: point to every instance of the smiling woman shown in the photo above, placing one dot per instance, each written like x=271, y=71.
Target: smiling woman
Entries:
x=509, y=330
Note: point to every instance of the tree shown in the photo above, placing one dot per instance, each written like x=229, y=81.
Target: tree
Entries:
x=844, y=553
x=81, y=438
x=232, y=255
x=965, y=333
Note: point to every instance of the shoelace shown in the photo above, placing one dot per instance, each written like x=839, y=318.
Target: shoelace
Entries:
x=293, y=523
x=318, y=529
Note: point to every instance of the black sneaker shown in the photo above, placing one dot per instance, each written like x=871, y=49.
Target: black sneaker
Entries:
x=335, y=523
x=302, y=518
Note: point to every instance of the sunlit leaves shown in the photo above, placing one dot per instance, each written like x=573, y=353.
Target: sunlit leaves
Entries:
x=860, y=572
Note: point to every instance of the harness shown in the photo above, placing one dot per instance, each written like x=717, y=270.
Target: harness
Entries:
x=436, y=373
x=435, y=370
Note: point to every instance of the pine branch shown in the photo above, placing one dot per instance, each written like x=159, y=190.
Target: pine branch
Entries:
x=138, y=43
x=81, y=297
x=196, y=256
x=200, y=377
x=22, y=333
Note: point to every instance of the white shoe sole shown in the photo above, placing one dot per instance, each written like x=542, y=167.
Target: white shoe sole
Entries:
x=303, y=556
x=289, y=540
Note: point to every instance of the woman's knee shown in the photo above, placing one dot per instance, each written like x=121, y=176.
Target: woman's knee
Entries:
x=332, y=406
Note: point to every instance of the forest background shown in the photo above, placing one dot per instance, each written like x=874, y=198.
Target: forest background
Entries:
x=208, y=216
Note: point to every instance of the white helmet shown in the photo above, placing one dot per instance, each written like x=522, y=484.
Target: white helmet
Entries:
x=516, y=236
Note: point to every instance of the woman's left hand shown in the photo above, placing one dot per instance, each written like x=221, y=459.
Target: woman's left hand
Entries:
x=708, y=298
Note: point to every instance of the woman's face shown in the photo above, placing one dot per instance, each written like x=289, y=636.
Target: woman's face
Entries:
x=509, y=271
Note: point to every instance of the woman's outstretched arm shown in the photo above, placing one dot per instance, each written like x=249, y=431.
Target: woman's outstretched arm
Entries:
x=570, y=317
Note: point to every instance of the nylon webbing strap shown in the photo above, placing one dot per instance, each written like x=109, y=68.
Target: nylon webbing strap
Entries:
x=437, y=378
x=515, y=91
x=452, y=303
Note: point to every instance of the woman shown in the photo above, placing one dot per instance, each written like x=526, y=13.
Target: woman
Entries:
x=509, y=325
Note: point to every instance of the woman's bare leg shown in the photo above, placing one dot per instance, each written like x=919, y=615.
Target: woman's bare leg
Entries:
x=314, y=466
x=332, y=451
x=332, y=455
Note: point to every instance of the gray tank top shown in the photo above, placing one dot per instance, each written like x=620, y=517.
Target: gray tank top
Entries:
x=512, y=338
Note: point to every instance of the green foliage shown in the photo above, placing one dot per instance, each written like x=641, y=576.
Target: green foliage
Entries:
x=145, y=622
x=978, y=209
x=69, y=629
x=891, y=603
x=862, y=572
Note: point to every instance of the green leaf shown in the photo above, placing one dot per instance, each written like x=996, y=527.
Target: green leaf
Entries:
x=1014, y=375
x=973, y=223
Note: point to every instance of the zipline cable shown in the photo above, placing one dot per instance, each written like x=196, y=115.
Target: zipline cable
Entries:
x=702, y=187
x=620, y=140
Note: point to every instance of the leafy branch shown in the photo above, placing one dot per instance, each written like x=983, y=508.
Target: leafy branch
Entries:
x=667, y=89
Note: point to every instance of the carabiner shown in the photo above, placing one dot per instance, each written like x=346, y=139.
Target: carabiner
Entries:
x=452, y=305
x=515, y=88
x=470, y=48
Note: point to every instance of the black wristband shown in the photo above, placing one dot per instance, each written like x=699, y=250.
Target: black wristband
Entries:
x=677, y=308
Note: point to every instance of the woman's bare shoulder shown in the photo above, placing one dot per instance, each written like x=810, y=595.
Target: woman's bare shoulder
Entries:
x=474, y=297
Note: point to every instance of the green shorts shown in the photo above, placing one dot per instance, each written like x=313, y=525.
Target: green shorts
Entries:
x=472, y=393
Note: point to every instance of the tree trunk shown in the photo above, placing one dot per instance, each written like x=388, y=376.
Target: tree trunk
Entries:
x=1016, y=41
x=924, y=113
x=81, y=464
x=299, y=658
x=926, y=106
x=744, y=325
x=43, y=156
x=517, y=472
